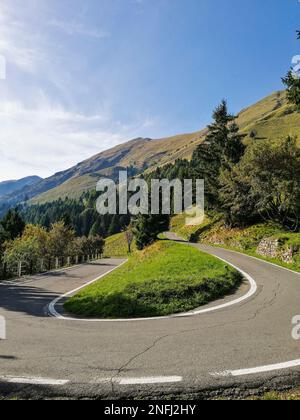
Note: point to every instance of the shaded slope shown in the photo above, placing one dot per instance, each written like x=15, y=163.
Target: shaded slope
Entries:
x=9, y=187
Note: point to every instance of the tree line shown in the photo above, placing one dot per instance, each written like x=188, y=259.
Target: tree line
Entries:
x=80, y=214
x=33, y=248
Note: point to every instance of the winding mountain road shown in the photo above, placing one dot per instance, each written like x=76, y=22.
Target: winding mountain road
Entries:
x=244, y=346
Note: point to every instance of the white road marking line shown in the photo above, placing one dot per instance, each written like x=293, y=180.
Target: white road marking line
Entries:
x=150, y=380
x=101, y=381
x=260, y=369
x=140, y=381
x=33, y=381
x=252, y=292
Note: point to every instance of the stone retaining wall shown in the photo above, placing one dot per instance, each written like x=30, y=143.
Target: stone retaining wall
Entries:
x=271, y=248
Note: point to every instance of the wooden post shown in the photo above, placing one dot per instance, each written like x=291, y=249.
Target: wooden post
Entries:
x=69, y=261
x=56, y=263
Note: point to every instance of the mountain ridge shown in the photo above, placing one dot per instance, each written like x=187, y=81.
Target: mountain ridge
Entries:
x=271, y=117
x=13, y=185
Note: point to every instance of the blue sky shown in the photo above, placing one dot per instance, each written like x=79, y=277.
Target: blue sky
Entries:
x=83, y=76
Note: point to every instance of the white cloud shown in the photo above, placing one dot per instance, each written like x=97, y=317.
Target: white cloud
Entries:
x=76, y=28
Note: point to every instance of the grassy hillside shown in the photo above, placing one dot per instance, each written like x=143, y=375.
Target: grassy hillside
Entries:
x=179, y=226
x=166, y=278
x=140, y=154
x=270, y=118
x=116, y=246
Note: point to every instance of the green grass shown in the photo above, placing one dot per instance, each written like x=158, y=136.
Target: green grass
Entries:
x=293, y=395
x=116, y=246
x=192, y=233
x=166, y=278
x=178, y=225
x=279, y=396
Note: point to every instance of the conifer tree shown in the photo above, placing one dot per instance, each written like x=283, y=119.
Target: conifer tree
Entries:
x=223, y=147
x=147, y=227
x=13, y=224
x=292, y=82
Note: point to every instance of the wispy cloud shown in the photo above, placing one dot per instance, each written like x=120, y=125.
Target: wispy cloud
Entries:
x=76, y=28
x=48, y=138
x=16, y=42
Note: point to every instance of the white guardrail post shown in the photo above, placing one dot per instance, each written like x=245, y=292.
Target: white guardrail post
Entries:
x=20, y=269
x=2, y=328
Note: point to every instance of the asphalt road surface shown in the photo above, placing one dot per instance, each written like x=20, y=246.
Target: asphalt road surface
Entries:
x=238, y=349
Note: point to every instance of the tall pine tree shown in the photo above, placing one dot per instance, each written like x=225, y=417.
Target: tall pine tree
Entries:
x=223, y=146
x=292, y=82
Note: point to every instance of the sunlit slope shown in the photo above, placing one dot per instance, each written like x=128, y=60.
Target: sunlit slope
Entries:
x=139, y=154
x=271, y=118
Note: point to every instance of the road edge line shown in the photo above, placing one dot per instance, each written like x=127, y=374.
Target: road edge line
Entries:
x=260, y=369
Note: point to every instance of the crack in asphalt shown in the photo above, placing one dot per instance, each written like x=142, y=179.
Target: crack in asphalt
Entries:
x=267, y=303
x=125, y=365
